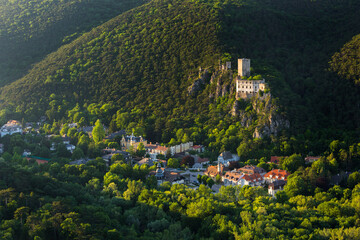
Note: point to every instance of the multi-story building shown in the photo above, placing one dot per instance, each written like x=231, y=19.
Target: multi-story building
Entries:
x=246, y=88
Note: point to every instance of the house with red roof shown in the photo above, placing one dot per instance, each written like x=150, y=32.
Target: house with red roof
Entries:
x=236, y=178
x=212, y=171
x=276, y=174
x=249, y=169
x=198, y=148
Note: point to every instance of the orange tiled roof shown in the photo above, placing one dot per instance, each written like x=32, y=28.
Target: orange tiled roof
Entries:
x=249, y=169
x=161, y=148
x=253, y=177
x=212, y=171
x=277, y=174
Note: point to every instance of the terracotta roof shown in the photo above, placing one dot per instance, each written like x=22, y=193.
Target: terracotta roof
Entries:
x=161, y=148
x=13, y=122
x=197, y=146
x=249, y=169
x=277, y=174
x=252, y=177
x=38, y=161
x=212, y=171
x=234, y=176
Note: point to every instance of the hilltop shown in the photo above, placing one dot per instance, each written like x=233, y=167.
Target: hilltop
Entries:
x=32, y=29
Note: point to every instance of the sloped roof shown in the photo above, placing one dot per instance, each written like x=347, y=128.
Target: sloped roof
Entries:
x=249, y=169
x=226, y=155
x=277, y=174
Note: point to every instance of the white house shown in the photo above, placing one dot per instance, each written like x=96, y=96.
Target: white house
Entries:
x=10, y=128
x=276, y=186
x=240, y=179
x=276, y=174
x=226, y=157
x=70, y=147
x=182, y=147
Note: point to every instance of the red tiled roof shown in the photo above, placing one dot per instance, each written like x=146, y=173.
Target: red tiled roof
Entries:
x=249, y=169
x=161, y=148
x=38, y=161
x=253, y=177
x=212, y=171
x=277, y=174
x=197, y=146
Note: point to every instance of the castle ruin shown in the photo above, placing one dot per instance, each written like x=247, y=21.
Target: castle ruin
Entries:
x=246, y=88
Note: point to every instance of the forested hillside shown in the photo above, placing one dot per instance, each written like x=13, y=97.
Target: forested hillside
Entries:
x=346, y=62
x=141, y=64
x=30, y=30
x=58, y=200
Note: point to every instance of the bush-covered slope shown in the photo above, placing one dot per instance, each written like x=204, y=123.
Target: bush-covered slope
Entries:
x=143, y=59
x=347, y=62
x=30, y=30
x=140, y=57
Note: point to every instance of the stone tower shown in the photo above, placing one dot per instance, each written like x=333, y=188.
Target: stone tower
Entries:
x=244, y=67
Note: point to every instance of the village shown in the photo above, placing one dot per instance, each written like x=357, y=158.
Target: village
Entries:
x=184, y=163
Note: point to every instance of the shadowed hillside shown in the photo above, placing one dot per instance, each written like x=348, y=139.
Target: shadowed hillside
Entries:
x=30, y=30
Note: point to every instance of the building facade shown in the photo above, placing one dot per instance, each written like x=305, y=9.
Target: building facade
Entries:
x=131, y=141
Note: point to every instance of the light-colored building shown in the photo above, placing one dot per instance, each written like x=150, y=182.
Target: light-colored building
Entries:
x=276, y=174
x=165, y=175
x=249, y=169
x=227, y=157
x=246, y=88
x=10, y=128
x=198, y=148
x=213, y=171
x=182, y=147
x=70, y=147
x=250, y=87
x=276, y=186
x=128, y=141
x=236, y=178
x=1, y=148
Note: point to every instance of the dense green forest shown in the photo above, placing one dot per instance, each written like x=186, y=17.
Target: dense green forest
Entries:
x=95, y=201
x=30, y=30
x=135, y=70
x=346, y=62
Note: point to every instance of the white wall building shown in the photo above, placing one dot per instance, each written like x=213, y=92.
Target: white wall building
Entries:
x=250, y=86
x=10, y=128
x=226, y=157
x=239, y=179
